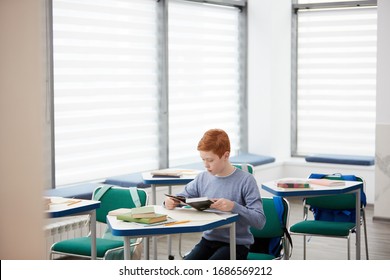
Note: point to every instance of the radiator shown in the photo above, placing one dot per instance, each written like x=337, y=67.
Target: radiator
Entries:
x=58, y=229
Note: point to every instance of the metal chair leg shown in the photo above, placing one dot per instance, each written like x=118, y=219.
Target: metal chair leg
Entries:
x=365, y=231
x=180, y=254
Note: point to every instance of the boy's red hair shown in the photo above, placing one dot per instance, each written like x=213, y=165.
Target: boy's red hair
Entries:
x=216, y=141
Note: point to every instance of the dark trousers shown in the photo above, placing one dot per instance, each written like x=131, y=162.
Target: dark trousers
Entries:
x=215, y=250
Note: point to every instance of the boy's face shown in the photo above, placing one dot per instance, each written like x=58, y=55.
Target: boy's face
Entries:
x=213, y=163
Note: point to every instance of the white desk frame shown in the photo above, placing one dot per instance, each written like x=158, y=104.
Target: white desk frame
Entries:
x=84, y=207
x=131, y=230
x=316, y=190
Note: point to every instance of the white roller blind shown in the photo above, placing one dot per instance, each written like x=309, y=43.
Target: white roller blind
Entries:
x=336, y=81
x=204, y=80
x=105, y=88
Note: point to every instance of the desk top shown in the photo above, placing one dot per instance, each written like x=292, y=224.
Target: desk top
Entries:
x=188, y=176
x=60, y=206
x=314, y=190
x=199, y=222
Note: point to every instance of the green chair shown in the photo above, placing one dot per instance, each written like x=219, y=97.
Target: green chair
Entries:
x=107, y=247
x=272, y=241
x=244, y=166
x=275, y=229
x=331, y=227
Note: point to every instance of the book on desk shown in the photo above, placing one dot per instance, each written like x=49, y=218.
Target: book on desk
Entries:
x=142, y=215
x=327, y=182
x=166, y=173
x=295, y=183
x=156, y=218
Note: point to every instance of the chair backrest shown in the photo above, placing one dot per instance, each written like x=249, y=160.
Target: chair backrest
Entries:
x=116, y=197
x=269, y=240
x=244, y=166
x=335, y=207
x=336, y=202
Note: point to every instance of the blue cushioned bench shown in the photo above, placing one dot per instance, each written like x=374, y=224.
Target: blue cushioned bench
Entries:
x=80, y=191
x=253, y=159
x=128, y=180
x=341, y=159
x=84, y=191
x=135, y=179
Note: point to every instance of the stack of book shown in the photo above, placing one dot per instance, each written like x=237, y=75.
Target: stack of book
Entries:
x=295, y=183
x=292, y=183
x=167, y=173
x=143, y=215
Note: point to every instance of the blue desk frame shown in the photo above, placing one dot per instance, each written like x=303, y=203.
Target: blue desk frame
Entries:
x=130, y=231
x=83, y=207
x=315, y=190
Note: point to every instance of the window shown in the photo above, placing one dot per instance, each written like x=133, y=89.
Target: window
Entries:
x=204, y=76
x=110, y=83
x=335, y=79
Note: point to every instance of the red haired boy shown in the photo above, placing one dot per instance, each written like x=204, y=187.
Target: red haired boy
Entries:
x=232, y=190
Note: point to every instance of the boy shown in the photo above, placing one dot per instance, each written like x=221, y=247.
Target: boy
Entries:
x=232, y=190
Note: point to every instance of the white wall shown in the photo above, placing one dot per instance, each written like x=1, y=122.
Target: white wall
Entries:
x=382, y=148
x=269, y=24
x=22, y=164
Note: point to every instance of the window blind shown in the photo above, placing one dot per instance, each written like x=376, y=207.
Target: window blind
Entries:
x=336, y=81
x=105, y=88
x=204, y=76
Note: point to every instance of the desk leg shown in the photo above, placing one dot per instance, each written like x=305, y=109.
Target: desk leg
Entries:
x=154, y=239
x=232, y=231
x=126, y=243
x=153, y=194
x=93, y=234
x=146, y=248
x=169, y=237
x=358, y=231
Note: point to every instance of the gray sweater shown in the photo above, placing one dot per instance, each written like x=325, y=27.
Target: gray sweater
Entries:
x=240, y=187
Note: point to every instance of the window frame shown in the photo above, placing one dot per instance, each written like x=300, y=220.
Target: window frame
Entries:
x=294, y=57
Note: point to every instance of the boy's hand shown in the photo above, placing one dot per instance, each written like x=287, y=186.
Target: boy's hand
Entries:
x=223, y=204
x=171, y=203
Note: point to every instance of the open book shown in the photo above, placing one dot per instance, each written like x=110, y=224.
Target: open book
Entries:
x=199, y=203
